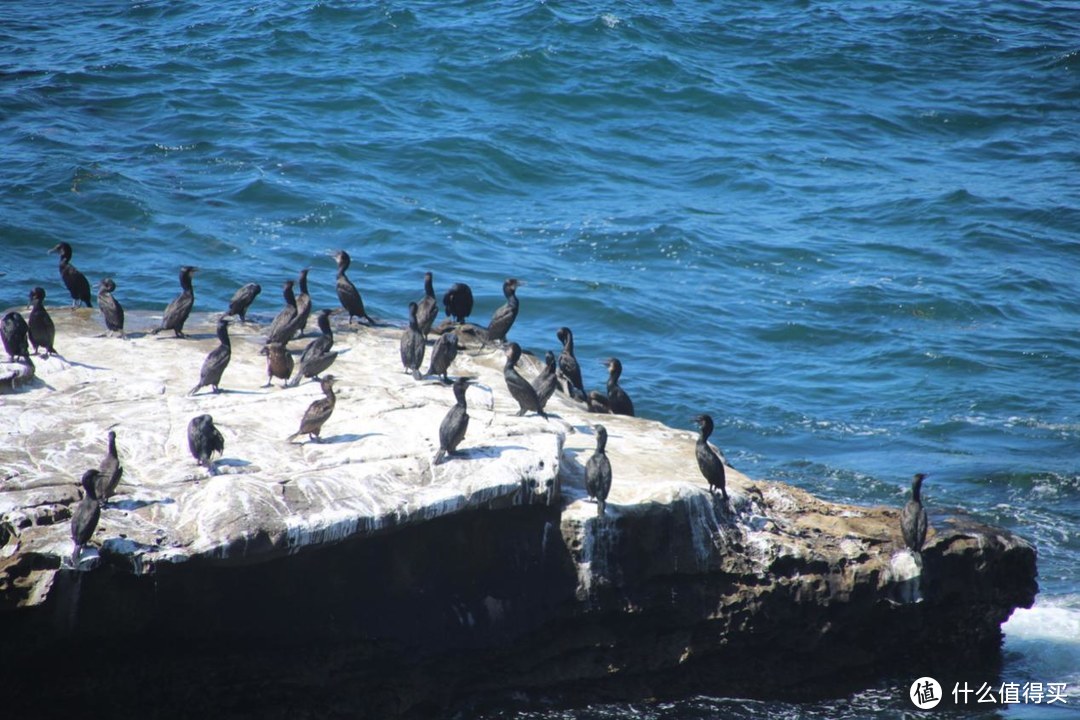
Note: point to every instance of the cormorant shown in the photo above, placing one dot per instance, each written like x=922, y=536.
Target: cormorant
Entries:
x=176, y=314
x=242, y=299
x=303, y=305
x=204, y=440
x=84, y=518
x=317, y=356
x=15, y=334
x=428, y=307
x=318, y=412
x=709, y=462
x=279, y=363
x=548, y=379
x=503, y=317
x=42, y=332
x=109, y=472
x=568, y=364
x=110, y=308
x=283, y=322
x=412, y=345
x=519, y=388
x=347, y=292
x=458, y=302
x=598, y=402
x=913, y=521
x=618, y=400
x=443, y=354
x=216, y=361
x=455, y=423
x=598, y=472
x=75, y=281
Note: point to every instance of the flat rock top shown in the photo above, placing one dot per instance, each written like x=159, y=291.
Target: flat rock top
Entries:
x=373, y=470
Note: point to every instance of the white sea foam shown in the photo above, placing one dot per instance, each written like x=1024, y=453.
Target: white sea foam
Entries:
x=1042, y=644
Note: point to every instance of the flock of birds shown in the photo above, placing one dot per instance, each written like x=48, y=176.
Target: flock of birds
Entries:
x=205, y=440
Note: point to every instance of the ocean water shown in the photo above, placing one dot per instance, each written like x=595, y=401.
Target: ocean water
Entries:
x=849, y=231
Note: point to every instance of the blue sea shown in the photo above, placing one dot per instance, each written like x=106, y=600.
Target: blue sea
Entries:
x=848, y=231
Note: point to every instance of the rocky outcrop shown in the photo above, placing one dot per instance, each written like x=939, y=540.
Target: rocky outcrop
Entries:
x=355, y=577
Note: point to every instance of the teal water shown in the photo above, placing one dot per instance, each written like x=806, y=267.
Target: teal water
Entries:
x=849, y=231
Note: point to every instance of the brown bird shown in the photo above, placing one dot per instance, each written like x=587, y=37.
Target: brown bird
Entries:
x=318, y=412
x=279, y=363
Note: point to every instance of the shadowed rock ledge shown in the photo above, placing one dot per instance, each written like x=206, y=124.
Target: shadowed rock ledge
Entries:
x=355, y=578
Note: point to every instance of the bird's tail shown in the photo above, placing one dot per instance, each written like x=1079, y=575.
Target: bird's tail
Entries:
x=439, y=457
x=601, y=506
x=194, y=390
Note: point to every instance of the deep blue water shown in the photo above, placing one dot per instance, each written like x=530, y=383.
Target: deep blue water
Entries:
x=849, y=231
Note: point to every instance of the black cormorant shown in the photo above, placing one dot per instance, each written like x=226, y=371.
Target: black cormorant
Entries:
x=303, y=305
x=503, y=317
x=455, y=423
x=598, y=472
x=318, y=412
x=109, y=471
x=428, y=307
x=176, y=314
x=548, y=379
x=412, y=345
x=216, y=361
x=597, y=402
x=568, y=364
x=281, y=327
x=347, y=292
x=518, y=386
x=618, y=400
x=242, y=299
x=442, y=354
x=279, y=363
x=913, y=522
x=110, y=307
x=204, y=440
x=42, y=332
x=458, y=302
x=84, y=518
x=709, y=462
x=16, y=335
x=75, y=281
x=317, y=356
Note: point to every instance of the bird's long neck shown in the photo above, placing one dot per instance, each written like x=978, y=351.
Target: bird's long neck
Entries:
x=706, y=431
x=303, y=284
x=185, y=283
x=429, y=287
x=223, y=335
x=112, y=445
x=324, y=327
x=459, y=395
x=414, y=324
x=569, y=344
x=916, y=490
x=601, y=442
x=342, y=264
x=614, y=372
x=290, y=296
x=328, y=391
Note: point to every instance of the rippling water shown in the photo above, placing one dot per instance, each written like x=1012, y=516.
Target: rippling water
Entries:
x=850, y=231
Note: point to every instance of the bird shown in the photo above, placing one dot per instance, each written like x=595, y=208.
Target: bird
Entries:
x=503, y=317
x=568, y=363
x=15, y=334
x=75, y=281
x=598, y=471
x=281, y=328
x=319, y=411
x=548, y=379
x=708, y=460
x=216, y=361
x=519, y=387
x=241, y=300
x=412, y=345
x=442, y=354
x=84, y=518
x=176, y=314
x=458, y=302
x=42, y=331
x=204, y=440
x=597, y=402
x=316, y=357
x=455, y=422
x=427, y=307
x=618, y=400
x=110, y=307
x=347, y=292
x=279, y=363
x=109, y=471
x=913, y=521
x=303, y=306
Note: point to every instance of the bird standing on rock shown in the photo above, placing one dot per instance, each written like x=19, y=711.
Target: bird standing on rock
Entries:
x=242, y=299
x=15, y=335
x=443, y=354
x=454, y=423
x=427, y=307
x=598, y=472
x=281, y=328
x=317, y=356
x=709, y=462
x=216, y=361
x=177, y=312
x=413, y=345
x=109, y=472
x=548, y=379
x=204, y=440
x=77, y=284
x=503, y=317
x=347, y=292
x=303, y=306
x=318, y=412
x=568, y=363
x=618, y=400
x=913, y=522
x=110, y=307
x=519, y=387
x=42, y=331
x=279, y=363
x=84, y=518
x=458, y=302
